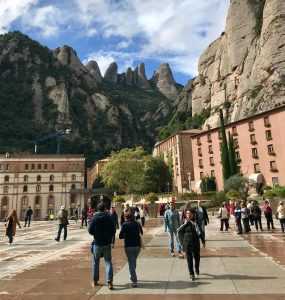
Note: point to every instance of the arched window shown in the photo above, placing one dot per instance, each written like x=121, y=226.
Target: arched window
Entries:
x=73, y=177
x=50, y=200
x=24, y=201
x=39, y=178
x=51, y=178
x=5, y=189
x=25, y=188
x=5, y=201
x=6, y=178
x=51, y=188
x=26, y=178
x=38, y=188
x=73, y=186
x=37, y=200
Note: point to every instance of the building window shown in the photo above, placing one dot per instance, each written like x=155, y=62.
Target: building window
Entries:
x=237, y=155
x=266, y=122
x=199, y=151
x=38, y=188
x=210, y=149
x=45, y=166
x=275, y=181
x=212, y=161
x=254, y=153
x=201, y=175
x=234, y=131
x=26, y=167
x=236, y=145
x=52, y=166
x=26, y=178
x=5, y=201
x=33, y=166
x=72, y=199
x=1, y=167
x=39, y=166
x=7, y=167
x=50, y=188
x=270, y=150
x=213, y=173
x=6, y=178
x=175, y=149
x=50, y=200
x=24, y=201
x=199, y=141
x=252, y=139
x=51, y=178
x=39, y=178
x=5, y=189
x=209, y=138
x=37, y=200
x=25, y=188
x=221, y=146
x=73, y=187
x=268, y=135
x=200, y=163
x=273, y=166
x=256, y=168
x=250, y=126
x=73, y=176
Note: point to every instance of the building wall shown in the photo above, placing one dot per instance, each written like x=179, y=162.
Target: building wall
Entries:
x=251, y=161
x=95, y=171
x=42, y=182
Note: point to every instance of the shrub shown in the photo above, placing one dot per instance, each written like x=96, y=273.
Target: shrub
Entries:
x=232, y=194
x=280, y=191
x=119, y=199
x=217, y=200
x=151, y=197
x=270, y=193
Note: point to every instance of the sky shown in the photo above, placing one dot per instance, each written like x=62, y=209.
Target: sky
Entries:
x=128, y=32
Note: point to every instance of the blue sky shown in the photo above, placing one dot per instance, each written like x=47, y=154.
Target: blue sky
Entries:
x=126, y=31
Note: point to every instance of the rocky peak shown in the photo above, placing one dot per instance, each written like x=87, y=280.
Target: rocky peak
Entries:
x=140, y=77
x=163, y=80
x=129, y=76
x=94, y=70
x=111, y=73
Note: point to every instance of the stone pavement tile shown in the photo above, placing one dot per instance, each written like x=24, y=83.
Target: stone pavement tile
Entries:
x=229, y=252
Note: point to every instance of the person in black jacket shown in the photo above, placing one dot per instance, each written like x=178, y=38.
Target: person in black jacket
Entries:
x=28, y=216
x=202, y=220
x=130, y=232
x=102, y=228
x=114, y=217
x=257, y=215
x=191, y=242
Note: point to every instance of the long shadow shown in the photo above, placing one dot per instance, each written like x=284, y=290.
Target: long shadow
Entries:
x=240, y=277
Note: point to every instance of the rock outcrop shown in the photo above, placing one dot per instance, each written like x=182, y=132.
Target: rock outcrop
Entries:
x=111, y=73
x=243, y=71
x=163, y=80
x=183, y=101
x=94, y=70
x=140, y=77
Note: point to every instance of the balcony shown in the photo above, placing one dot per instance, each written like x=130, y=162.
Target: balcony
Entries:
x=269, y=138
x=212, y=164
x=199, y=143
x=251, y=129
x=201, y=166
x=236, y=146
x=272, y=153
x=209, y=140
x=273, y=170
x=254, y=155
x=200, y=154
x=210, y=151
x=253, y=142
x=238, y=161
x=267, y=125
x=235, y=134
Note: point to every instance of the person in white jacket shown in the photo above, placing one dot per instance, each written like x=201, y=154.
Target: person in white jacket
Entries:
x=224, y=216
x=281, y=215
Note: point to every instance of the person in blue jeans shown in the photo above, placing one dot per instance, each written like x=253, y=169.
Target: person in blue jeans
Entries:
x=130, y=232
x=171, y=224
x=102, y=228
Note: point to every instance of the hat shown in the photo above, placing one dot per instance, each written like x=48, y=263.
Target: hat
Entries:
x=62, y=207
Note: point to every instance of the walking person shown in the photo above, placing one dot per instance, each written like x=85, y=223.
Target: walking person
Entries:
x=171, y=224
x=115, y=220
x=190, y=242
x=11, y=224
x=76, y=214
x=224, y=216
x=202, y=220
x=28, y=216
x=102, y=228
x=281, y=215
x=126, y=208
x=238, y=218
x=268, y=215
x=245, y=217
x=257, y=216
x=84, y=215
x=130, y=232
x=250, y=216
x=143, y=214
x=62, y=223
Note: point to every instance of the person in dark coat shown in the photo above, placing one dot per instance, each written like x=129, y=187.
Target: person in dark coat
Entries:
x=257, y=216
x=114, y=217
x=102, y=228
x=11, y=222
x=28, y=216
x=202, y=219
x=84, y=215
x=190, y=242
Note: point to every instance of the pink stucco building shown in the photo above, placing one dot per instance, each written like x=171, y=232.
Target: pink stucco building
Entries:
x=259, y=144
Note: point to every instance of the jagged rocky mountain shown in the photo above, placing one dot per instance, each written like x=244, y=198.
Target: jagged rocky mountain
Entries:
x=243, y=71
x=42, y=90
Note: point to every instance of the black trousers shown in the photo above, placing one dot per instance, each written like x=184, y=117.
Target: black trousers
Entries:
x=239, y=226
x=84, y=220
x=257, y=221
x=246, y=226
x=226, y=222
x=269, y=220
x=28, y=220
x=190, y=256
x=143, y=221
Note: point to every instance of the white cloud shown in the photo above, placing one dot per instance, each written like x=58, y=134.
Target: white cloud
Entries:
x=91, y=32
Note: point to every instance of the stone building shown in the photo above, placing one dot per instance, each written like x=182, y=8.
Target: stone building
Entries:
x=40, y=181
x=95, y=171
x=176, y=151
x=259, y=146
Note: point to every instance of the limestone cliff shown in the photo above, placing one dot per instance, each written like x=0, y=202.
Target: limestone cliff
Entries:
x=243, y=71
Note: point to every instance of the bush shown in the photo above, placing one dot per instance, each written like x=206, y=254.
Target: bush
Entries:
x=280, y=191
x=151, y=197
x=217, y=200
x=119, y=199
x=233, y=194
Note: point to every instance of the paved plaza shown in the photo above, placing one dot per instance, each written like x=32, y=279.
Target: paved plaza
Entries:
x=232, y=266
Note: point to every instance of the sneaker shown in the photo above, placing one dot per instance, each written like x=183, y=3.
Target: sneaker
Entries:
x=197, y=272
x=181, y=255
x=110, y=286
x=172, y=253
x=134, y=285
x=192, y=277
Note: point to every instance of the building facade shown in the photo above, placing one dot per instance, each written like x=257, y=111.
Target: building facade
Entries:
x=95, y=171
x=40, y=181
x=176, y=151
x=259, y=146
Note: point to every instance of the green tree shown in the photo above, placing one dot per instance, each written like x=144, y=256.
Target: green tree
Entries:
x=232, y=156
x=238, y=183
x=208, y=184
x=225, y=151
